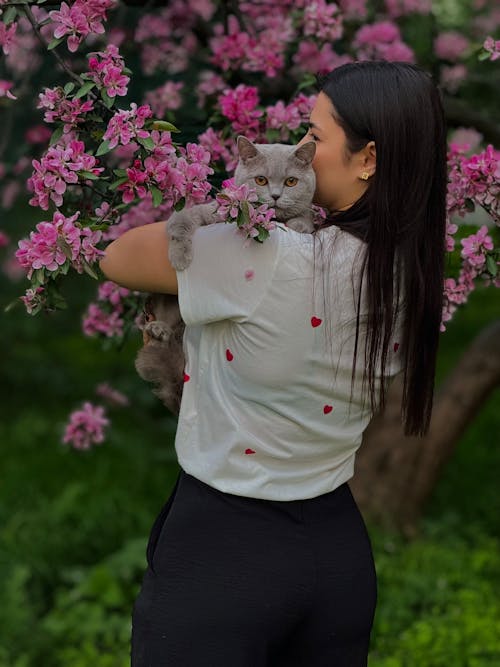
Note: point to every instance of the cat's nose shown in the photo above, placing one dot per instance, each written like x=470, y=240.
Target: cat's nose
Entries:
x=275, y=197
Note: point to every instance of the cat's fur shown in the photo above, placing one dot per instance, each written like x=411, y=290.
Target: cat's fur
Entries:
x=161, y=361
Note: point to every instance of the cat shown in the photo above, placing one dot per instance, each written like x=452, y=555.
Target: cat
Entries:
x=284, y=179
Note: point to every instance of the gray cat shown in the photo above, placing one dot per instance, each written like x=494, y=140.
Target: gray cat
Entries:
x=284, y=179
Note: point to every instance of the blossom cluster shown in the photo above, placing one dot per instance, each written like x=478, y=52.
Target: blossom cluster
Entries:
x=382, y=40
x=57, y=244
x=80, y=19
x=474, y=252
x=493, y=47
x=473, y=180
x=59, y=108
x=323, y=20
x=106, y=70
x=125, y=126
x=107, y=317
x=239, y=204
x=86, y=426
x=58, y=168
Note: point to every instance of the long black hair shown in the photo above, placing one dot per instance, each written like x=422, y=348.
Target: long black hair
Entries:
x=401, y=217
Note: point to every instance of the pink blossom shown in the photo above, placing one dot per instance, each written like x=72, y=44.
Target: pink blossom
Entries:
x=10, y=192
x=466, y=137
x=164, y=98
x=7, y=36
x=105, y=69
x=239, y=204
x=38, y=134
x=453, y=76
x=396, y=8
x=57, y=242
x=79, y=20
x=114, y=396
x=474, y=247
x=98, y=321
x=34, y=299
x=59, y=108
x=353, y=9
x=110, y=291
x=134, y=186
x=4, y=239
x=450, y=45
x=209, y=83
x=125, y=126
x=239, y=105
x=56, y=169
x=323, y=20
x=492, y=47
x=86, y=426
x=311, y=58
x=5, y=87
x=381, y=40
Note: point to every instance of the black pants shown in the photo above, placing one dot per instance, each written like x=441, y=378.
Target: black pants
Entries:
x=234, y=581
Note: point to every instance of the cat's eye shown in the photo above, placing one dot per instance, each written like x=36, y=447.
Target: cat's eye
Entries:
x=291, y=181
x=261, y=180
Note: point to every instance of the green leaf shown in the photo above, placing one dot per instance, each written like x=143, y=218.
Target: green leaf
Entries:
x=108, y=101
x=180, y=204
x=469, y=205
x=115, y=184
x=491, y=265
x=157, y=196
x=12, y=305
x=484, y=55
x=84, y=89
x=9, y=15
x=69, y=87
x=120, y=172
x=272, y=135
x=147, y=142
x=88, y=269
x=39, y=277
x=165, y=126
x=88, y=174
x=54, y=43
x=56, y=135
x=263, y=234
x=126, y=70
x=103, y=148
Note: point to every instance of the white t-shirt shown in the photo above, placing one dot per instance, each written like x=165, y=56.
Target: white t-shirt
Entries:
x=264, y=410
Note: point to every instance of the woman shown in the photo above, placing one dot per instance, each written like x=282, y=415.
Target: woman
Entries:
x=260, y=556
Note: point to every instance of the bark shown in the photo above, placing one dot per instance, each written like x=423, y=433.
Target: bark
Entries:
x=395, y=475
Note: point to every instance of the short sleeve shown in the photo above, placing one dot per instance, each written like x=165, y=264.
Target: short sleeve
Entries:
x=228, y=275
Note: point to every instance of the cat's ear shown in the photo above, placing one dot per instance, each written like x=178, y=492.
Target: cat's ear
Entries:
x=245, y=148
x=305, y=153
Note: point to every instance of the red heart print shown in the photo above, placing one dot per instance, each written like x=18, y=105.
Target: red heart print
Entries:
x=327, y=409
x=186, y=377
x=229, y=355
x=316, y=321
x=396, y=345
x=249, y=451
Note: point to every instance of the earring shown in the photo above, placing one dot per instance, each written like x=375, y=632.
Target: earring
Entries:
x=365, y=175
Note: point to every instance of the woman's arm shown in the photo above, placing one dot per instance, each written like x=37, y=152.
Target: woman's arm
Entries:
x=138, y=259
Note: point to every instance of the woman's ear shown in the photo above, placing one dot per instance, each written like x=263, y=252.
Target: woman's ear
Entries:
x=369, y=156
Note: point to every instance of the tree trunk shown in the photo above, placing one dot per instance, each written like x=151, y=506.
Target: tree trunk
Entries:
x=394, y=474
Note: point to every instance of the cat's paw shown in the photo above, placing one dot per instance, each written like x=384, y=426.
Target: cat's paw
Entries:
x=180, y=253
x=157, y=330
x=301, y=225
